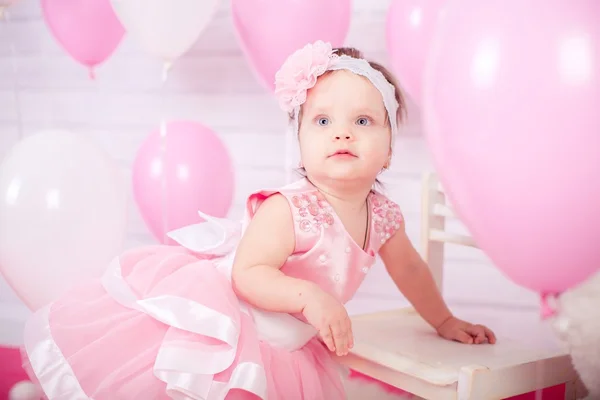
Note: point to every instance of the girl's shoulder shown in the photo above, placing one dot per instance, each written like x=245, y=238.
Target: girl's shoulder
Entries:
x=305, y=206
x=298, y=194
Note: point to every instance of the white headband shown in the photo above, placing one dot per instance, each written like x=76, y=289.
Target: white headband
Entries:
x=301, y=70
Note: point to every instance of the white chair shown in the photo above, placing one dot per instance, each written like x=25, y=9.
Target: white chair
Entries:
x=399, y=348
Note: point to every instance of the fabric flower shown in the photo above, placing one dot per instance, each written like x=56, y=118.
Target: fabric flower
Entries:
x=300, y=72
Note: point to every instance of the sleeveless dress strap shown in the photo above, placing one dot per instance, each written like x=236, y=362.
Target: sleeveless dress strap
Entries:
x=387, y=218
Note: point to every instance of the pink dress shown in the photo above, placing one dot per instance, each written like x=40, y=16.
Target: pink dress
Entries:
x=165, y=323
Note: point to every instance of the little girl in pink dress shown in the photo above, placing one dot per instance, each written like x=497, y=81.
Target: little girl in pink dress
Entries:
x=254, y=310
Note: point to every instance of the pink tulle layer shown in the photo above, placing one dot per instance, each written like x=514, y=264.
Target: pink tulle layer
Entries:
x=171, y=342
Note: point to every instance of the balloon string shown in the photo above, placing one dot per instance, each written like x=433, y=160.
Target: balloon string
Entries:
x=165, y=71
x=92, y=73
x=15, y=69
x=163, y=152
x=163, y=180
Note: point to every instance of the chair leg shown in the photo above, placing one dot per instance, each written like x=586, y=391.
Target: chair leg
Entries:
x=465, y=389
x=576, y=390
x=570, y=391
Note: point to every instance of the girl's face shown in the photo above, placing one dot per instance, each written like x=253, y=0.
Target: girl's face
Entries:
x=344, y=132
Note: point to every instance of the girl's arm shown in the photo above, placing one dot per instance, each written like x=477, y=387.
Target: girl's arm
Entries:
x=265, y=246
x=414, y=279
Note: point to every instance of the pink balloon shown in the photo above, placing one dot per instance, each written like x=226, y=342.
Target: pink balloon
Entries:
x=270, y=30
x=88, y=30
x=410, y=25
x=511, y=109
x=175, y=176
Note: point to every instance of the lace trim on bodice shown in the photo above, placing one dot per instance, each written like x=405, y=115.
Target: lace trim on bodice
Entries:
x=386, y=218
x=311, y=212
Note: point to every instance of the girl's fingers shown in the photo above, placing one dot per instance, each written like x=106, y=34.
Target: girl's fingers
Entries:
x=327, y=337
x=340, y=337
x=350, y=334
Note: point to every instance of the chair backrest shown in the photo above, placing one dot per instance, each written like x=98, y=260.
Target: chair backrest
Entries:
x=435, y=210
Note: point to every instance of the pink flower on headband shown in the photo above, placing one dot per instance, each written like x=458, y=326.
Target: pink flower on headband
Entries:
x=300, y=72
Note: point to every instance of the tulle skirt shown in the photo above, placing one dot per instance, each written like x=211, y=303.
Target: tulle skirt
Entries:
x=164, y=323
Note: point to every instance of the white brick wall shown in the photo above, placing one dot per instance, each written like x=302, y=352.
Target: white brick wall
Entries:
x=127, y=100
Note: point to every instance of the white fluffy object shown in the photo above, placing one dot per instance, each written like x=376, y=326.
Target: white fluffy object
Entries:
x=24, y=390
x=577, y=323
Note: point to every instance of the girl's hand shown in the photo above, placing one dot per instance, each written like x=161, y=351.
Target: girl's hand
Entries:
x=331, y=319
x=464, y=332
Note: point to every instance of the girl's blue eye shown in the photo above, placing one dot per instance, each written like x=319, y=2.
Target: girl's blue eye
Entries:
x=323, y=121
x=363, y=121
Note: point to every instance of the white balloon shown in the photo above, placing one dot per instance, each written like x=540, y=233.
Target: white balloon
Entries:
x=165, y=29
x=63, y=214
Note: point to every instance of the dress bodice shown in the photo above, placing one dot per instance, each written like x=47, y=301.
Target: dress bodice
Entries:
x=325, y=253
